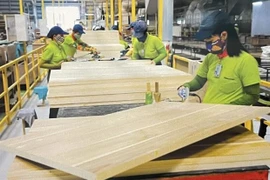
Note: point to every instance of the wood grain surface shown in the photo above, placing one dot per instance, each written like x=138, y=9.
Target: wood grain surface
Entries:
x=101, y=83
x=123, y=140
x=236, y=147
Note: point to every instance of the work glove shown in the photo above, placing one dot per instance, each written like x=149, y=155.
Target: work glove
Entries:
x=183, y=92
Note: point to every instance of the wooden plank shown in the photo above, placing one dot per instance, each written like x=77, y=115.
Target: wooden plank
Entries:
x=103, y=64
x=120, y=73
x=82, y=55
x=63, y=82
x=112, y=93
x=124, y=140
x=237, y=142
x=105, y=99
x=111, y=83
x=111, y=88
x=109, y=47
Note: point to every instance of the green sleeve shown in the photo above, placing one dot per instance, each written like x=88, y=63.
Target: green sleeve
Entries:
x=50, y=66
x=249, y=73
x=68, y=40
x=204, y=67
x=46, y=58
x=196, y=84
x=135, y=54
x=47, y=55
x=251, y=95
x=80, y=42
x=161, y=55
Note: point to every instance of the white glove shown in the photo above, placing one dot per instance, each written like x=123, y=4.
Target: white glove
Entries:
x=183, y=92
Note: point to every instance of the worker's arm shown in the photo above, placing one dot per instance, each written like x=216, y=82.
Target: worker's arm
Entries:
x=161, y=55
x=250, y=96
x=196, y=84
x=46, y=60
x=135, y=53
x=80, y=42
x=50, y=66
x=82, y=46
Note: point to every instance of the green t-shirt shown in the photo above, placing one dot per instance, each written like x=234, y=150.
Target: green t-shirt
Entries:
x=149, y=49
x=53, y=53
x=70, y=46
x=236, y=73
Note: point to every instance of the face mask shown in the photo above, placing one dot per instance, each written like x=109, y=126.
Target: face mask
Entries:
x=219, y=43
x=77, y=36
x=59, y=39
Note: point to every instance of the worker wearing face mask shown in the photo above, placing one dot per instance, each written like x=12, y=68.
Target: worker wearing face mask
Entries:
x=73, y=42
x=54, y=54
x=231, y=73
x=146, y=46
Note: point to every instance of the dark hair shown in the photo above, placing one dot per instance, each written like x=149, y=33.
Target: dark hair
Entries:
x=234, y=46
x=145, y=31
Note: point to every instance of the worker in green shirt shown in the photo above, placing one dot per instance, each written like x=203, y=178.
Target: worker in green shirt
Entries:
x=73, y=42
x=146, y=46
x=231, y=73
x=54, y=55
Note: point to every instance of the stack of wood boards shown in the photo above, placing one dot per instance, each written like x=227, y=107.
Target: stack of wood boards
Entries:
x=106, y=51
x=101, y=83
x=106, y=42
x=101, y=37
x=115, y=143
x=236, y=147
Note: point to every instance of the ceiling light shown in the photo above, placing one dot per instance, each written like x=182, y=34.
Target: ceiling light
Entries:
x=259, y=3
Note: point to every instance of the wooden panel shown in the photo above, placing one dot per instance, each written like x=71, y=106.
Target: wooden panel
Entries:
x=109, y=47
x=114, y=73
x=84, y=56
x=101, y=37
x=124, y=140
x=237, y=142
x=98, y=83
x=104, y=64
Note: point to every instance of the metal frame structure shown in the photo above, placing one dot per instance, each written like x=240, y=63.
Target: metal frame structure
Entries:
x=33, y=57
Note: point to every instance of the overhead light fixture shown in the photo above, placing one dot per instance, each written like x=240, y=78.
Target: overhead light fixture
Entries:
x=259, y=3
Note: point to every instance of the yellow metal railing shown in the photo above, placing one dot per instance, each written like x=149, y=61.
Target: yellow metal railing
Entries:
x=20, y=69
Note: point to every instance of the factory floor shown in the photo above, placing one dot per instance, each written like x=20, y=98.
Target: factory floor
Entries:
x=15, y=129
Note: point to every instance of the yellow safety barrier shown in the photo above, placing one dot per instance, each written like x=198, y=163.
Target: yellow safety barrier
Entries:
x=28, y=60
x=265, y=83
x=180, y=63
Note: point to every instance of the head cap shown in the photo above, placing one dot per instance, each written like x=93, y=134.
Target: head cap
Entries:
x=139, y=28
x=55, y=30
x=210, y=23
x=78, y=28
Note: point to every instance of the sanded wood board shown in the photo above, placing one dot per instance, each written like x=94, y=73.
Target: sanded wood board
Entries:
x=124, y=140
x=233, y=148
x=119, y=73
x=113, y=88
x=102, y=93
x=109, y=47
x=104, y=64
x=82, y=55
x=62, y=82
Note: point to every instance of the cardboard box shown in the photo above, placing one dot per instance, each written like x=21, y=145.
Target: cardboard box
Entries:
x=31, y=76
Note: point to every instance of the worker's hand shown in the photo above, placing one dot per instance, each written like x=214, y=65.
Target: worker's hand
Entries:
x=60, y=63
x=183, y=92
x=69, y=58
x=153, y=62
